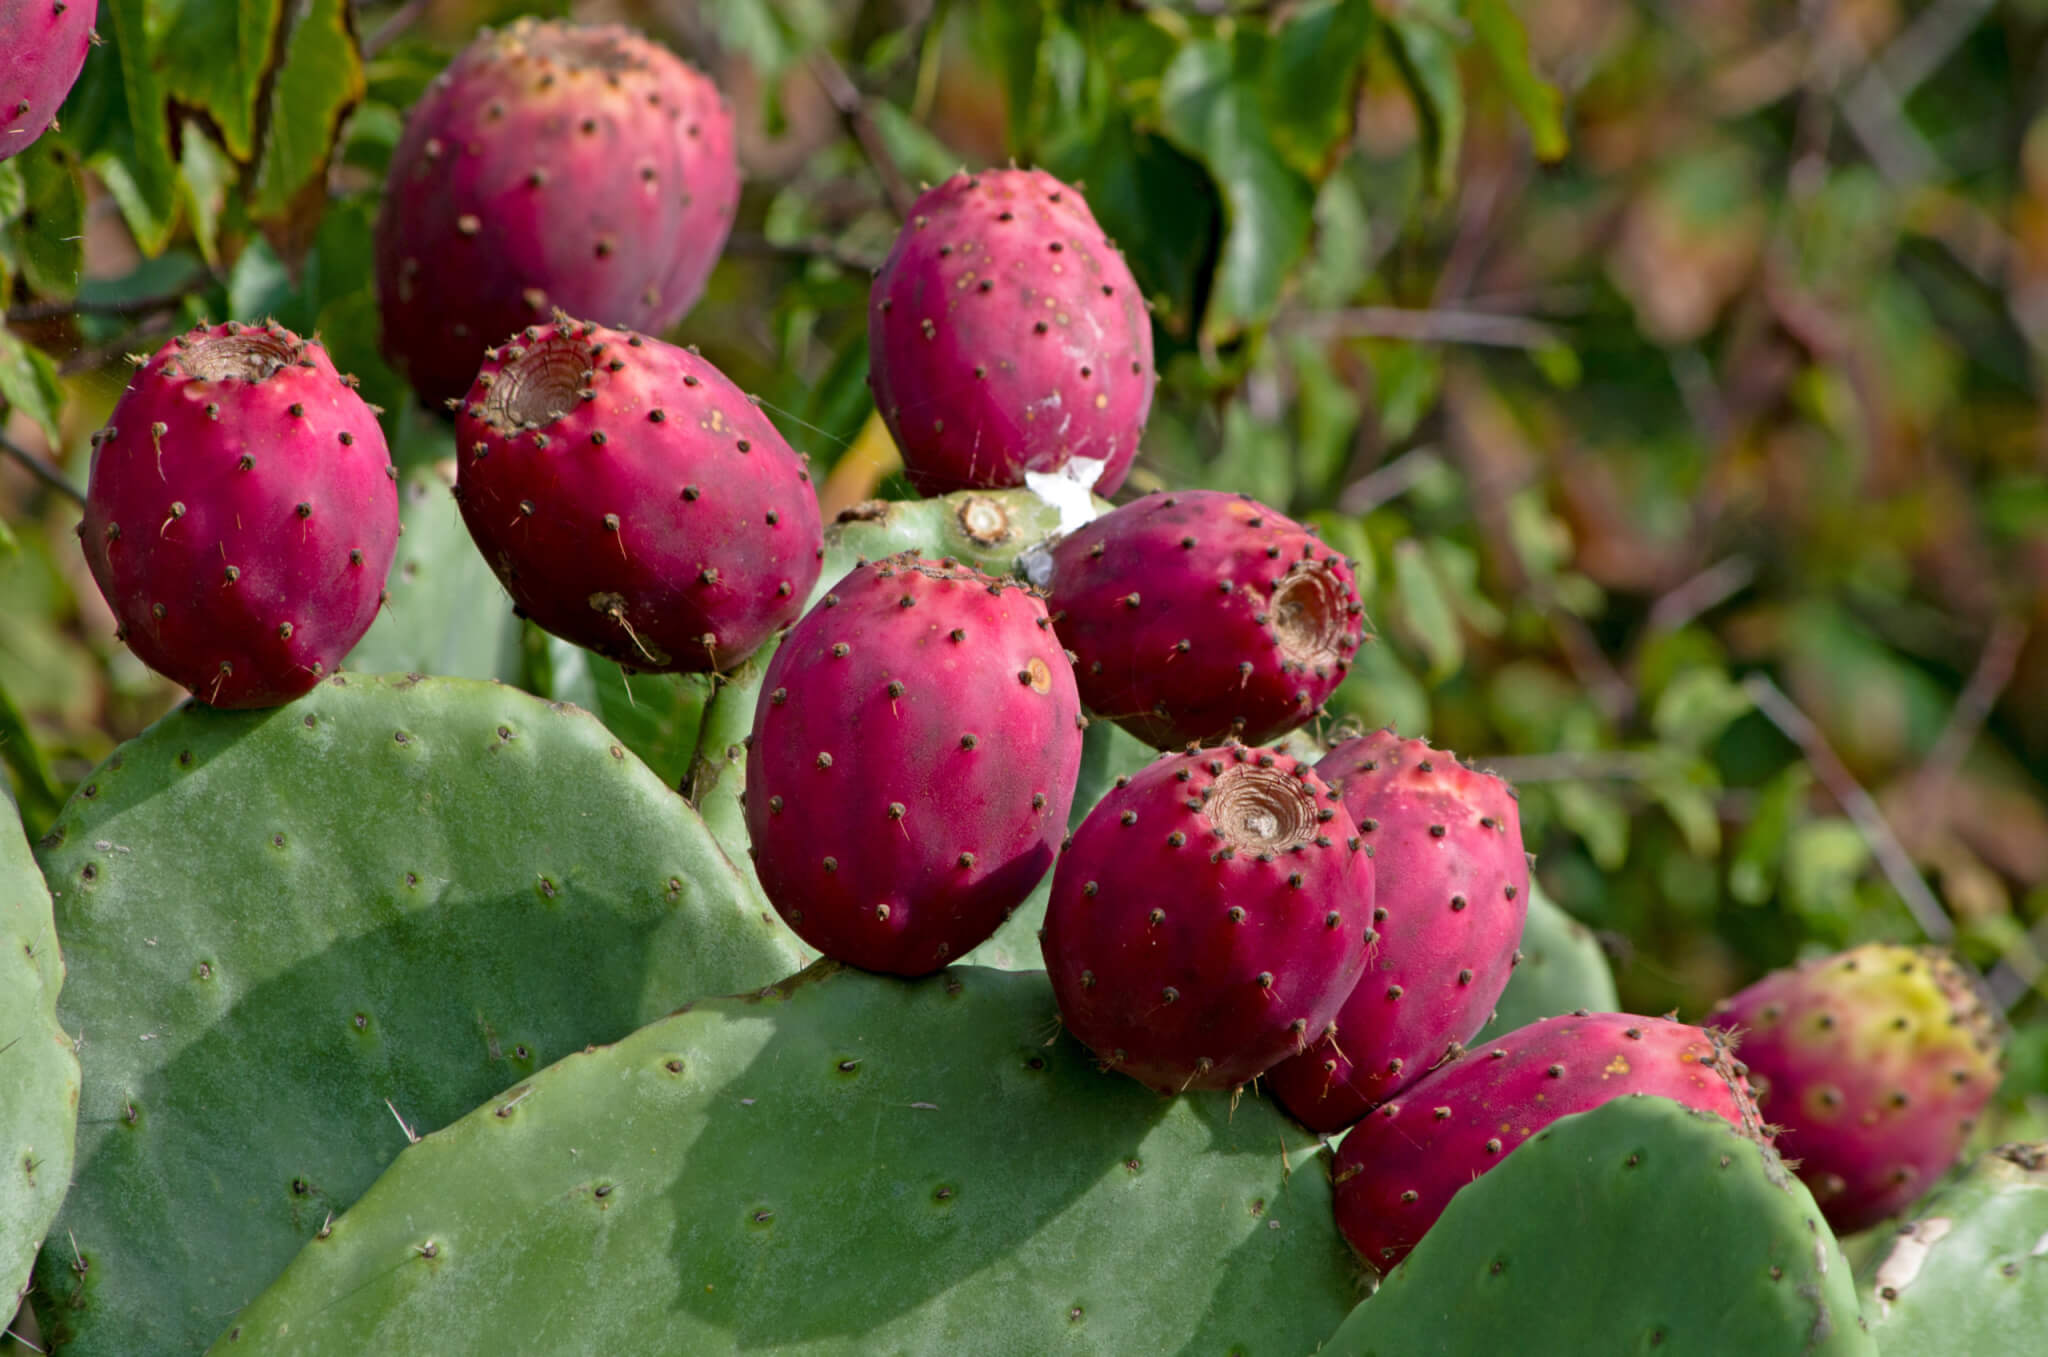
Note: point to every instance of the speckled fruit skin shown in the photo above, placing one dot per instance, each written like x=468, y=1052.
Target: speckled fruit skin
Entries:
x=1875, y=1064
x=1208, y=918
x=1007, y=335
x=633, y=500
x=241, y=514
x=1452, y=894
x=1397, y=1169
x=42, y=49
x=912, y=763
x=550, y=165
x=1198, y=616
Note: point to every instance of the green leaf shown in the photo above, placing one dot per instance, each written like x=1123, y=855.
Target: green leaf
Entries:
x=47, y=239
x=28, y=383
x=321, y=79
x=1598, y=818
x=1429, y=62
x=1256, y=458
x=1760, y=850
x=1210, y=107
x=33, y=778
x=13, y=193
x=1504, y=40
x=133, y=153
x=205, y=177
x=214, y=57
x=1311, y=82
x=1697, y=706
x=1689, y=801
x=1005, y=39
x=1422, y=612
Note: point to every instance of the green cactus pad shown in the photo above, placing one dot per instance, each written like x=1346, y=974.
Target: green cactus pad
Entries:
x=38, y=1070
x=1638, y=1227
x=1108, y=752
x=849, y=1163
x=1970, y=1274
x=290, y=930
x=1562, y=969
x=445, y=612
x=987, y=529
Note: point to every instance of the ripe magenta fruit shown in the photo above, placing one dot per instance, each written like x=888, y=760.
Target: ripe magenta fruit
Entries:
x=1397, y=1169
x=241, y=514
x=1007, y=335
x=1208, y=918
x=912, y=763
x=1874, y=1063
x=1452, y=894
x=42, y=49
x=551, y=165
x=1198, y=616
x=633, y=500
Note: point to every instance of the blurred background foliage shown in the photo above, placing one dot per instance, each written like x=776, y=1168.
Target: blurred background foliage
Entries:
x=1673, y=368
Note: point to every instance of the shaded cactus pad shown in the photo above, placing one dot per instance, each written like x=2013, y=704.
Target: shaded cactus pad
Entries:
x=290, y=929
x=849, y=1163
x=1970, y=1274
x=1637, y=1227
x=38, y=1070
x=1562, y=970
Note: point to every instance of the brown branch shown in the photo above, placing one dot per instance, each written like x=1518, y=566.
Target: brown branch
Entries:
x=41, y=469
x=853, y=109
x=754, y=244
x=124, y=306
x=1590, y=765
x=1966, y=719
x=394, y=27
x=1434, y=325
x=1856, y=803
x=1707, y=590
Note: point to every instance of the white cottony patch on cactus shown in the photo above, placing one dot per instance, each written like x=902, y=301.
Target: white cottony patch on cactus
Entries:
x=1909, y=1253
x=1070, y=490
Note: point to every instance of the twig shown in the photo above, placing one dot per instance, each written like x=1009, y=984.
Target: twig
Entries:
x=811, y=247
x=2016, y=974
x=1590, y=765
x=394, y=27
x=1433, y=325
x=853, y=109
x=1703, y=592
x=1386, y=482
x=1994, y=670
x=126, y=306
x=42, y=470
x=1856, y=803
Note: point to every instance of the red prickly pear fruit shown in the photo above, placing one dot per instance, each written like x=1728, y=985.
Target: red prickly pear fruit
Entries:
x=1451, y=887
x=912, y=765
x=1397, y=1170
x=1208, y=918
x=1874, y=1064
x=1198, y=616
x=633, y=500
x=241, y=514
x=551, y=165
x=1007, y=335
x=42, y=49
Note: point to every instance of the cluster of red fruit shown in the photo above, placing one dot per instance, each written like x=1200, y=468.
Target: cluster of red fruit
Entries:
x=1231, y=912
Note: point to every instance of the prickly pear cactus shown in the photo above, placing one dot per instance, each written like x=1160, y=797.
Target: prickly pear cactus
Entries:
x=1007, y=335
x=444, y=612
x=991, y=530
x=1562, y=969
x=42, y=49
x=298, y=937
x=1640, y=1226
x=38, y=1069
x=1969, y=1275
x=810, y=1169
